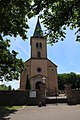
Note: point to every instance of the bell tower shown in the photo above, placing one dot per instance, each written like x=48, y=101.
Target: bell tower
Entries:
x=38, y=43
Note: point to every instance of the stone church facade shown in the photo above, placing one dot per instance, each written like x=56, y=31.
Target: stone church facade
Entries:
x=39, y=68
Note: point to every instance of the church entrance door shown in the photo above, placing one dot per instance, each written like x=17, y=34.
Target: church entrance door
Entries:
x=37, y=86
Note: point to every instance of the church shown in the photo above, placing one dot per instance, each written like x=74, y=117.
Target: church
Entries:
x=39, y=68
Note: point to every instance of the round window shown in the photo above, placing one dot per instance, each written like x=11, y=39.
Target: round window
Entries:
x=39, y=69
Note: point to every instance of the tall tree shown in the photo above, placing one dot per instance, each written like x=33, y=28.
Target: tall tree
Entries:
x=10, y=66
x=13, y=23
x=28, y=86
x=61, y=82
x=68, y=78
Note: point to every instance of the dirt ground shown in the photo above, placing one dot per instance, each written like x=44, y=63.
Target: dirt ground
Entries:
x=50, y=112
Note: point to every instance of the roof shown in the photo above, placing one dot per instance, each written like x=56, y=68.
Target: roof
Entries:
x=38, y=31
x=52, y=62
x=41, y=59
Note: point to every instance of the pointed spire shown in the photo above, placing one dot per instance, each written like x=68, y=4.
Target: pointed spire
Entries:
x=38, y=31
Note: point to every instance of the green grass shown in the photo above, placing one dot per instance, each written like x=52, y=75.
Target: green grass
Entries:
x=13, y=107
x=7, y=110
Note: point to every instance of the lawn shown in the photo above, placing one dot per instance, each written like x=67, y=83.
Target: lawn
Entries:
x=13, y=107
x=6, y=110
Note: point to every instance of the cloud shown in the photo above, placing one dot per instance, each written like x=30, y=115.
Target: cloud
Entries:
x=77, y=72
x=23, y=49
x=21, y=46
x=14, y=83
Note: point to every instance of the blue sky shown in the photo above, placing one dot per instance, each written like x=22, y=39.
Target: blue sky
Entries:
x=65, y=54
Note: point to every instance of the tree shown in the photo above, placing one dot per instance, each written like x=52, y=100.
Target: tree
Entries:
x=61, y=82
x=72, y=79
x=10, y=66
x=12, y=23
x=68, y=78
x=78, y=81
x=28, y=86
x=9, y=87
x=57, y=15
x=4, y=87
x=13, y=20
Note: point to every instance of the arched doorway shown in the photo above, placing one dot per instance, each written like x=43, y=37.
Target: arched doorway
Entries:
x=37, y=86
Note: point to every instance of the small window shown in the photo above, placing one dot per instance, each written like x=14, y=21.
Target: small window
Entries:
x=39, y=69
x=37, y=44
x=38, y=54
x=52, y=69
x=40, y=45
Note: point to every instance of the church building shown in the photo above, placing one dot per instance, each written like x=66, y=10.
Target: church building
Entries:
x=39, y=69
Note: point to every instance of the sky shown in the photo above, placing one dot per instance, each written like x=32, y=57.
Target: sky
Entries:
x=65, y=54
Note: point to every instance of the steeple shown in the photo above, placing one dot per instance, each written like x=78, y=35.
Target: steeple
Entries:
x=38, y=43
x=38, y=31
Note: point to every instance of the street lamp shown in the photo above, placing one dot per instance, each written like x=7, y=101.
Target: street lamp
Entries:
x=43, y=79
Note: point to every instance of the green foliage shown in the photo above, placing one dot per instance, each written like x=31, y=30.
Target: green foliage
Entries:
x=57, y=15
x=28, y=86
x=10, y=66
x=4, y=87
x=13, y=20
x=78, y=80
x=13, y=107
x=61, y=82
x=7, y=110
x=9, y=87
x=68, y=78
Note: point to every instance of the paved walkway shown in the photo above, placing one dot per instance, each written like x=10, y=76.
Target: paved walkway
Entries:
x=50, y=112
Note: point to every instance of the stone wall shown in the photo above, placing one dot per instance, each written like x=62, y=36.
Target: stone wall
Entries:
x=29, y=97
x=18, y=98
x=73, y=95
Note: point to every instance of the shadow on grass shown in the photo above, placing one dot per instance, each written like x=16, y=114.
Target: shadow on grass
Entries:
x=5, y=112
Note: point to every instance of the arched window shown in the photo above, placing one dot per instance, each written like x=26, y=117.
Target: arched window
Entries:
x=40, y=45
x=38, y=54
x=37, y=44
